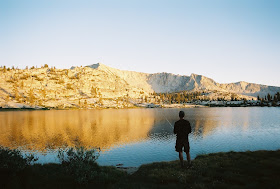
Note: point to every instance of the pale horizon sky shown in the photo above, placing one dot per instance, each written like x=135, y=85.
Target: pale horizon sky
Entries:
x=226, y=40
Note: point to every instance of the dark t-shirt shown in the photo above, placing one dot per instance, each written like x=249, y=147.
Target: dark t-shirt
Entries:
x=182, y=128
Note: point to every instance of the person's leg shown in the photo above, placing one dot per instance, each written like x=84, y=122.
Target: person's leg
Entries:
x=181, y=158
x=187, y=150
x=188, y=157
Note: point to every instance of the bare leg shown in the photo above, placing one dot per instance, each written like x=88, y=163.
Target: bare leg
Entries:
x=181, y=158
x=188, y=158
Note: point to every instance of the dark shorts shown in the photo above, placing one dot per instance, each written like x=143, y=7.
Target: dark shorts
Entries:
x=180, y=144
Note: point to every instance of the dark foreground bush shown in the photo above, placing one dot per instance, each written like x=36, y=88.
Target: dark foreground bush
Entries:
x=13, y=166
x=258, y=169
x=80, y=163
x=13, y=161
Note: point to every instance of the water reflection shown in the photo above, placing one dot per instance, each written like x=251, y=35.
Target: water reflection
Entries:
x=203, y=121
x=136, y=136
x=41, y=130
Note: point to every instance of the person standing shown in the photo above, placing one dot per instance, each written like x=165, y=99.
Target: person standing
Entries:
x=182, y=128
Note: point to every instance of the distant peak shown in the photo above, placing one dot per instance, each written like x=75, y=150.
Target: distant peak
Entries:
x=242, y=82
x=95, y=66
x=195, y=75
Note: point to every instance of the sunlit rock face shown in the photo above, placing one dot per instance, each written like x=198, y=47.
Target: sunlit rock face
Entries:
x=43, y=130
x=99, y=86
x=168, y=82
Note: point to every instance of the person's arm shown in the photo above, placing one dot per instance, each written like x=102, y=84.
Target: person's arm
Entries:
x=175, y=129
x=190, y=128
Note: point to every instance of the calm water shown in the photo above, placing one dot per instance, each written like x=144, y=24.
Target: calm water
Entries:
x=136, y=136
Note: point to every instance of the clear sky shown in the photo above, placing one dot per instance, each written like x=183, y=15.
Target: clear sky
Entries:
x=226, y=40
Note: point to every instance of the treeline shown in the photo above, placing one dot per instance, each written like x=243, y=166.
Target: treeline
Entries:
x=4, y=68
x=179, y=97
x=273, y=99
x=186, y=96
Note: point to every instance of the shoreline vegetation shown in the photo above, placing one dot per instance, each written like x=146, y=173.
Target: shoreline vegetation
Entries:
x=111, y=104
x=203, y=104
x=78, y=169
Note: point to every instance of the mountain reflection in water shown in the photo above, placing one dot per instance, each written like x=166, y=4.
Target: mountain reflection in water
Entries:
x=136, y=136
x=41, y=130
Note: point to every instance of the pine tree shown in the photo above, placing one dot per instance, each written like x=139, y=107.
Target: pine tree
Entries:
x=31, y=96
x=159, y=101
x=100, y=99
x=178, y=99
x=232, y=97
x=275, y=98
x=16, y=93
x=44, y=93
x=262, y=102
x=93, y=91
x=21, y=84
x=268, y=97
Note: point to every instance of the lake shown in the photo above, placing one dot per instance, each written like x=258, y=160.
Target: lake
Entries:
x=137, y=136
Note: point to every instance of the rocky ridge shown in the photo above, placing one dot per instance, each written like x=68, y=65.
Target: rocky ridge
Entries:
x=98, y=86
x=168, y=82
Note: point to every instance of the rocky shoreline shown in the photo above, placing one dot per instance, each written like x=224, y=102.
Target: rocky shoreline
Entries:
x=13, y=106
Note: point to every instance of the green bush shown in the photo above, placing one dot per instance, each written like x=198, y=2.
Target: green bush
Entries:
x=13, y=160
x=80, y=163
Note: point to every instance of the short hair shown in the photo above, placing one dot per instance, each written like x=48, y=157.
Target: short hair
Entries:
x=181, y=114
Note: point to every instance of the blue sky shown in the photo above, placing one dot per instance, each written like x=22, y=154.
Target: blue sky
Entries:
x=226, y=40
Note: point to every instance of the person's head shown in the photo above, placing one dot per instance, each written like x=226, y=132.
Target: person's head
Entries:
x=181, y=114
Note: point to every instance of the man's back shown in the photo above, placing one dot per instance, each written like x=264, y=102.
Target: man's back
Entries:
x=182, y=128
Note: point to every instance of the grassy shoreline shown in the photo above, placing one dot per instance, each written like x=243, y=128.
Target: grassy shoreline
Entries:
x=256, y=169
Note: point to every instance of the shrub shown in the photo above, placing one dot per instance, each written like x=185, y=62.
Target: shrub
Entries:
x=32, y=97
x=80, y=163
x=10, y=81
x=13, y=160
x=69, y=86
x=72, y=77
x=39, y=79
x=54, y=78
x=24, y=77
x=60, y=81
x=4, y=69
